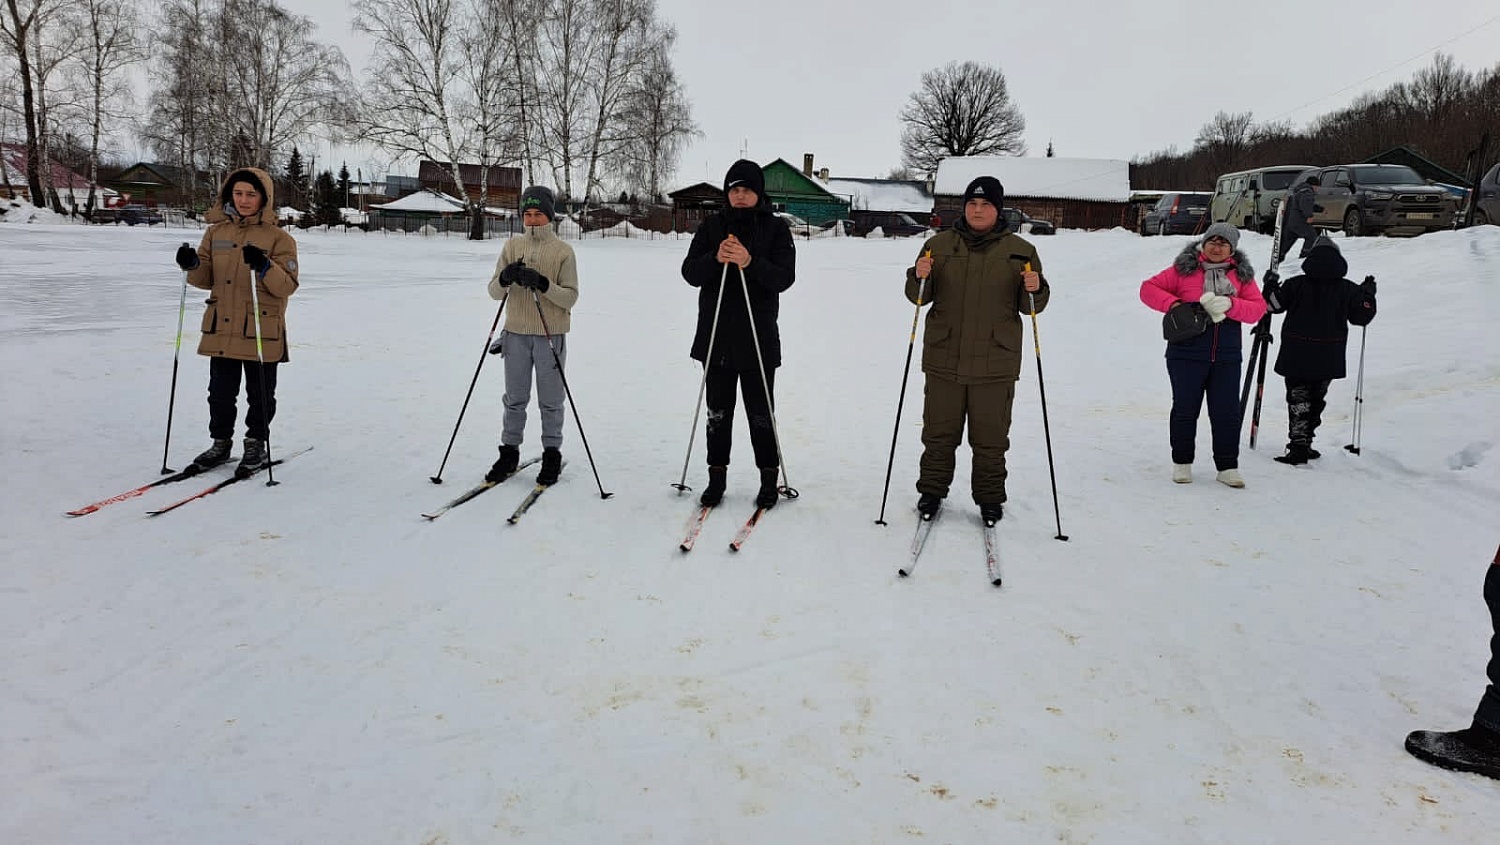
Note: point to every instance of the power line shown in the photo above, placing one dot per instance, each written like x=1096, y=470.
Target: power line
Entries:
x=1386, y=70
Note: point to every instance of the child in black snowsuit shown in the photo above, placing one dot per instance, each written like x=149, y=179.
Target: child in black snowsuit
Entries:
x=1320, y=305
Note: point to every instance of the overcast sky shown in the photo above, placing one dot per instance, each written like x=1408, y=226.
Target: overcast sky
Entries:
x=780, y=78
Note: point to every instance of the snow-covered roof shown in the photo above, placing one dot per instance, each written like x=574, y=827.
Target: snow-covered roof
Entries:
x=880, y=194
x=1101, y=179
x=429, y=201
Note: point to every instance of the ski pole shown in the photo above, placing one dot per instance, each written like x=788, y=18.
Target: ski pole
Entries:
x=786, y=489
x=1263, y=333
x=438, y=479
x=708, y=356
x=901, y=399
x=1256, y=349
x=1046, y=427
x=578, y=421
x=1359, y=396
x=260, y=357
x=176, y=353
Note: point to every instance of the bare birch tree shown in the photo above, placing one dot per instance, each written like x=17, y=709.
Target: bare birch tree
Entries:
x=111, y=44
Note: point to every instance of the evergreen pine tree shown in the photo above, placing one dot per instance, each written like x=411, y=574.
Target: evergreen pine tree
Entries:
x=344, y=199
x=327, y=201
x=296, y=180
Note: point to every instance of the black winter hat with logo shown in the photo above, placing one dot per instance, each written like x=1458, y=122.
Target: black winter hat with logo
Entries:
x=985, y=188
x=746, y=174
x=539, y=198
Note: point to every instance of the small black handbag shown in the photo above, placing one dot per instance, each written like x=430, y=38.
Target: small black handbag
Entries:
x=1184, y=321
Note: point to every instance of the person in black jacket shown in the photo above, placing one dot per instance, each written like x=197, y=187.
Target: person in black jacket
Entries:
x=1301, y=205
x=745, y=241
x=1320, y=305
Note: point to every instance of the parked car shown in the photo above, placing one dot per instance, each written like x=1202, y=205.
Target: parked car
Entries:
x=1368, y=199
x=130, y=215
x=846, y=225
x=892, y=224
x=1487, y=198
x=105, y=215
x=1177, y=213
x=1248, y=199
x=1022, y=223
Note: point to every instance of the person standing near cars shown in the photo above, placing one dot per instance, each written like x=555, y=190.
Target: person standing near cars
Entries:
x=1300, y=208
x=1215, y=276
x=243, y=246
x=979, y=277
x=744, y=241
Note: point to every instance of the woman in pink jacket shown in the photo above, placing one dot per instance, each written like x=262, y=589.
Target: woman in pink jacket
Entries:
x=1214, y=273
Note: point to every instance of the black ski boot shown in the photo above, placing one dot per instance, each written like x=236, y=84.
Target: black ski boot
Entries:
x=551, y=466
x=928, y=504
x=718, y=478
x=1296, y=455
x=1313, y=454
x=992, y=513
x=214, y=455
x=505, y=467
x=1475, y=749
x=255, y=457
x=768, y=494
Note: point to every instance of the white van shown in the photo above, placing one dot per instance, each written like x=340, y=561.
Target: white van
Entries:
x=1248, y=199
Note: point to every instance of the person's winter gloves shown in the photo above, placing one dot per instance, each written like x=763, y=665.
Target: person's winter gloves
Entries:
x=256, y=258
x=1216, y=306
x=187, y=257
x=1368, y=286
x=518, y=273
x=1271, y=292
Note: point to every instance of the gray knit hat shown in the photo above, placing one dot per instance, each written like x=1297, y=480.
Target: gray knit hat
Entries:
x=1225, y=231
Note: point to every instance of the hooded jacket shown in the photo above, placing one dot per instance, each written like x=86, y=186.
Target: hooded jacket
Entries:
x=973, y=332
x=773, y=268
x=228, y=328
x=1183, y=282
x=546, y=253
x=1320, y=306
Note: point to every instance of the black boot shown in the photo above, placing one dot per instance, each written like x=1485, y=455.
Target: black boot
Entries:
x=928, y=504
x=718, y=478
x=215, y=454
x=255, y=457
x=768, y=494
x=1475, y=749
x=505, y=467
x=991, y=513
x=551, y=466
x=1296, y=454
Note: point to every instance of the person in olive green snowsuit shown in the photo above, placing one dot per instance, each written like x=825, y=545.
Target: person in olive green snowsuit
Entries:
x=980, y=278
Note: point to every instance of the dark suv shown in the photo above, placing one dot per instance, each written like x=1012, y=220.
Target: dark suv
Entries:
x=133, y=214
x=1487, y=198
x=1368, y=199
x=890, y=223
x=1177, y=213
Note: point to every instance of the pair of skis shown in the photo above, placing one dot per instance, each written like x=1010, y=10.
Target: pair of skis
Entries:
x=487, y=485
x=192, y=471
x=919, y=542
x=700, y=515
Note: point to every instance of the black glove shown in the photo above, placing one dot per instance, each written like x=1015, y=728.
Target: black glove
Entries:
x=1271, y=292
x=256, y=258
x=508, y=276
x=1368, y=286
x=534, y=280
x=187, y=257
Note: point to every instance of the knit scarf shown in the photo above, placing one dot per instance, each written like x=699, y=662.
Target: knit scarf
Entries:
x=1216, y=278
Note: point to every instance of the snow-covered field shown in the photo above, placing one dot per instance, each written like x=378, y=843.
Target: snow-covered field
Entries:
x=314, y=663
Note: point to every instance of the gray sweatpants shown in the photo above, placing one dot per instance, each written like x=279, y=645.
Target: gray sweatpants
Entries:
x=524, y=353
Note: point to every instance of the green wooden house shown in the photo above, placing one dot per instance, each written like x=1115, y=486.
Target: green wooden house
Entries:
x=792, y=191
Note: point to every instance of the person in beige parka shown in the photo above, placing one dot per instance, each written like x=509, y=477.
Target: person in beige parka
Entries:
x=242, y=246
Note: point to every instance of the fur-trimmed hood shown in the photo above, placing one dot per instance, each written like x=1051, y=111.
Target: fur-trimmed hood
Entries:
x=1186, y=262
x=225, y=210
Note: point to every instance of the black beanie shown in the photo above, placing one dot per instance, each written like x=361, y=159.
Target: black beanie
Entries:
x=986, y=188
x=539, y=198
x=746, y=174
x=248, y=178
x=1324, y=261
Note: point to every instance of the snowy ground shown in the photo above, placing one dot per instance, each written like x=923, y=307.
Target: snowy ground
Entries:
x=313, y=663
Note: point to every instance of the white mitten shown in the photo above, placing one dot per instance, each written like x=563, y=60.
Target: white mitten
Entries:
x=1216, y=306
